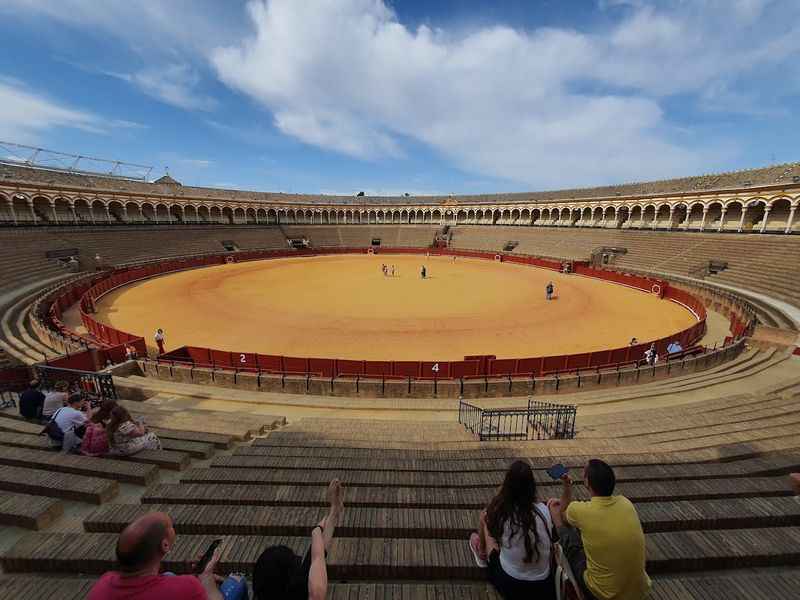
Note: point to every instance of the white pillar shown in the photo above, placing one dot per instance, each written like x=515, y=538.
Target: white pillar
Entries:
x=53, y=209
x=764, y=220
x=33, y=212
x=741, y=221
x=13, y=210
x=703, y=222
x=722, y=218
x=790, y=222
x=671, y=214
x=74, y=213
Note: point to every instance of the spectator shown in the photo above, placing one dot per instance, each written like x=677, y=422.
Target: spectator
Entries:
x=126, y=436
x=71, y=420
x=131, y=353
x=794, y=481
x=140, y=549
x=95, y=440
x=603, y=538
x=651, y=355
x=674, y=347
x=159, y=338
x=280, y=573
x=31, y=401
x=514, y=538
x=55, y=399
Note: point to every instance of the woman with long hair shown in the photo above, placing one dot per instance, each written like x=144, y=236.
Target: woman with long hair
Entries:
x=95, y=440
x=514, y=538
x=126, y=436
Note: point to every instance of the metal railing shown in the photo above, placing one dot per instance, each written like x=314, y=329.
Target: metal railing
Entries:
x=549, y=421
x=539, y=421
x=97, y=386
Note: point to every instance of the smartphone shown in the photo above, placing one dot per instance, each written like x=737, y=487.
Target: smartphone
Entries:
x=203, y=562
x=557, y=471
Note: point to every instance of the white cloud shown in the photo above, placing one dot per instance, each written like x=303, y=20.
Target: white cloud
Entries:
x=546, y=107
x=174, y=84
x=198, y=163
x=26, y=115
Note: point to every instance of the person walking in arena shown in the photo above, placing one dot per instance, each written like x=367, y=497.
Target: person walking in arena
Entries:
x=392, y=270
x=549, y=290
x=159, y=338
x=423, y=273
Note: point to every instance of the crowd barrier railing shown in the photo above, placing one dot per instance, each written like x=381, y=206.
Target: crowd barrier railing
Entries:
x=539, y=421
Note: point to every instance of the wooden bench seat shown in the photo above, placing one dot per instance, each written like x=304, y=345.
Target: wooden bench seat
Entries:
x=52, y=588
x=168, y=458
x=218, y=440
x=57, y=485
x=449, y=523
x=374, y=558
x=777, y=584
x=775, y=465
x=221, y=493
x=192, y=448
x=119, y=470
x=30, y=512
x=302, y=477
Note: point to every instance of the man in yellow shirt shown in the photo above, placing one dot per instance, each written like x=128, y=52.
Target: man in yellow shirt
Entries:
x=603, y=538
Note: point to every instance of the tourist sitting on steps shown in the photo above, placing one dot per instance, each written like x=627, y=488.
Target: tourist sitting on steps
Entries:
x=126, y=436
x=66, y=427
x=280, y=573
x=55, y=399
x=514, y=539
x=95, y=440
x=603, y=538
x=141, y=547
x=31, y=402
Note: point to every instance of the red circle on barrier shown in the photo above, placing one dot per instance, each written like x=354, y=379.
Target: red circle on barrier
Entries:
x=498, y=258
x=656, y=289
x=370, y=250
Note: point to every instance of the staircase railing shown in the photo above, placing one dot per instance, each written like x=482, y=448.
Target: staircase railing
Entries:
x=537, y=421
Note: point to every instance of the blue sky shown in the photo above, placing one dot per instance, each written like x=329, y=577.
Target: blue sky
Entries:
x=453, y=96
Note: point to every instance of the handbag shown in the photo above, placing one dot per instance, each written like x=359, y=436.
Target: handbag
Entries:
x=52, y=430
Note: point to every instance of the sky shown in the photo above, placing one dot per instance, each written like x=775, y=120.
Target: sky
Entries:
x=393, y=97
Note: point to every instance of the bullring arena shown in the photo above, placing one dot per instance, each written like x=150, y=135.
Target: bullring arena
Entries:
x=291, y=359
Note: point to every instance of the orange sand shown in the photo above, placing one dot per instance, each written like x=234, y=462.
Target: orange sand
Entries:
x=343, y=307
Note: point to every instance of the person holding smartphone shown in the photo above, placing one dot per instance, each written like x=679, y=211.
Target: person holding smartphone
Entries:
x=602, y=538
x=141, y=547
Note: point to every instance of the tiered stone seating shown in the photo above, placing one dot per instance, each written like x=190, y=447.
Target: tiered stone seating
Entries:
x=30, y=512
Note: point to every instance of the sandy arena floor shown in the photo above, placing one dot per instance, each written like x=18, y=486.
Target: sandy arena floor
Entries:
x=343, y=307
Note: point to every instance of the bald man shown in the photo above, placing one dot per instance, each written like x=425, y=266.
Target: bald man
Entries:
x=140, y=549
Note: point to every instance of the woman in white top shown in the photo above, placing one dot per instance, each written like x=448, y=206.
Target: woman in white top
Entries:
x=514, y=539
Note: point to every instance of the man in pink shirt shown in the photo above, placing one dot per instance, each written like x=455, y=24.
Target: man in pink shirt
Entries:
x=140, y=550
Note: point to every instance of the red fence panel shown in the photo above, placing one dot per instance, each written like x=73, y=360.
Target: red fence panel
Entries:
x=435, y=370
x=295, y=364
x=465, y=368
x=221, y=358
x=324, y=366
x=530, y=365
x=407, y=368
x=502, y=366
x=270, y=362
x=349, y=367
x=379, y=368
